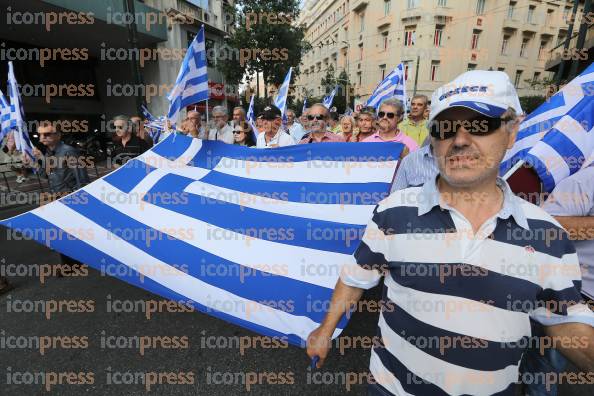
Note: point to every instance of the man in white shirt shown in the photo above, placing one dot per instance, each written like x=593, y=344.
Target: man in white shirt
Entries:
x=196, y=118
x=295, y=129
x=222, y=131
x=271, y=135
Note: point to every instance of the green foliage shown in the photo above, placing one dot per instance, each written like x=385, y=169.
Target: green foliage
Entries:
x=266, y=33
x=530, y=103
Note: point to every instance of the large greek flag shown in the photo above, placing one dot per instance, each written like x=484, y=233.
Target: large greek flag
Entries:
x=255, y=237
x=280, y=100
x=17, y=117
x=557, y=139
x=191, y=85
x=393, y=86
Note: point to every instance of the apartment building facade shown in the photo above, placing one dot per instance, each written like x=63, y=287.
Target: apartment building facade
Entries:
x=435, y=39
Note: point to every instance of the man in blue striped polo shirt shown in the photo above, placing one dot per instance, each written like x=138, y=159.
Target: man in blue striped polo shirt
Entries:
x=466, y=264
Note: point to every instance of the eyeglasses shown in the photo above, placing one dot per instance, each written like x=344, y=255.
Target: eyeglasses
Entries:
x=478, y=126
x=318, y=117
x=238, y=132
x=391, y=116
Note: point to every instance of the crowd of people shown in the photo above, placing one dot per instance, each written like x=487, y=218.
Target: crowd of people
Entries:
x=317, y=124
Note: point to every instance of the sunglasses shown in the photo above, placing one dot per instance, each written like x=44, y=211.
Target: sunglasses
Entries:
x=478, y=126
x=391, y=116
x=46, y=134
x=318, y=117
x=239, y=132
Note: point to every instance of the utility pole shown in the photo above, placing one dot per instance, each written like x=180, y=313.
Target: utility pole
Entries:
x=581, y=39
x=561, y=70
x=133, y=45
x=348, y=93
x=417, y=75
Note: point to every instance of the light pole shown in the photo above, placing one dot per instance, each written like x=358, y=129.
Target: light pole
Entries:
x=348, y=93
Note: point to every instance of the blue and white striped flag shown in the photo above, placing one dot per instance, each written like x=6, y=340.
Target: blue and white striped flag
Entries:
x=348, y=111
x=393, y=86
x=191, y=85
x=21, y=136
x=146, y=113
x=328, y=100
x=6, y=124
x=251, y=118
x=254, y=237
x=280, y=100
x=557, y=139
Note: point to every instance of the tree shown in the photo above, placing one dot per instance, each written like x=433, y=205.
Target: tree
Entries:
x=264, y=40
x=330, y=81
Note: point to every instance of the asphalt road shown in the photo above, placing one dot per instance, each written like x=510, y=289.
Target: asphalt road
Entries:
x=94, y=352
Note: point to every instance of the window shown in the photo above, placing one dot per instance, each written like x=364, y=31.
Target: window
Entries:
x=518, y=78
x=434, y=71
x=561, y=38
x=504, y=44
x=549, y=20
x=412, y=4
x=475, y=40
x=471, y=66
x=511, y=9
x=566, y=16
x=501, y=69
x=407, y=65
x=383, y=71
x=480, y=7
x=530, y=16
x=524, y=48
x=542, y=50
x=536, y=77
x=410, y=36
x=442, y=3
x=360, y=78
x=361, y=51
x=387, y=7
x=385, y=41
x=361, y=22
x=438, y=35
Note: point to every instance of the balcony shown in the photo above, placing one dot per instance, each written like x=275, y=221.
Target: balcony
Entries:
x=359, y=5
x=411, y=14
x=511, y=24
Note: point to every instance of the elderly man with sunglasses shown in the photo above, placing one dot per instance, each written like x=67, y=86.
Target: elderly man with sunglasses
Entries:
x=317, y=118
x=389, y=116
x=465, y=262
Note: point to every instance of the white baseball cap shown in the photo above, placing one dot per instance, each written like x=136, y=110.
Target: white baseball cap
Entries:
x=490, y=93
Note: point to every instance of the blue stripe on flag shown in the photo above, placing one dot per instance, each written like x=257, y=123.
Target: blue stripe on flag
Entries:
x=213, y=152
x=133, y=174
x=244, y=220
x=314, y=193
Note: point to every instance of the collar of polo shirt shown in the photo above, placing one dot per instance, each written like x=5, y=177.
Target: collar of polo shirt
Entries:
x=511, y=204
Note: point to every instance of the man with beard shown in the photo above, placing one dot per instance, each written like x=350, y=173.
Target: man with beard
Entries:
x=456, y=256
x=318, y=117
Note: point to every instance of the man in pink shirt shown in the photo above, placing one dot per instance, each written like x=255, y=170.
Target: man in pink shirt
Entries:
x=389, y=116
x=317, y=117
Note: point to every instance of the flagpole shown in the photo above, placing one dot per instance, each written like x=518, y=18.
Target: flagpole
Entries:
x=513, y=170
x=207, y=119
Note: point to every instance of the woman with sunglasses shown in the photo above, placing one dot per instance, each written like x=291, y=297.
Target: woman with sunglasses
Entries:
x=243, y=135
